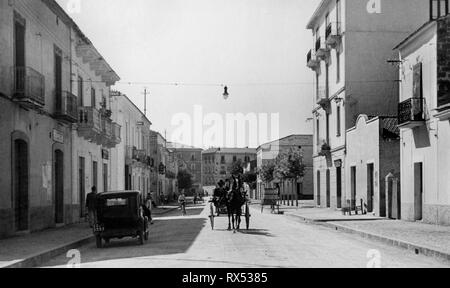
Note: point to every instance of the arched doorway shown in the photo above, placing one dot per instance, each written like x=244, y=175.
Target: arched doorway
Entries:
x=21, y=178
x=59, y=186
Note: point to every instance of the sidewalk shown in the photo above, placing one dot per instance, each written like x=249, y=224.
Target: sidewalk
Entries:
x=421, y=238
x=32, y=249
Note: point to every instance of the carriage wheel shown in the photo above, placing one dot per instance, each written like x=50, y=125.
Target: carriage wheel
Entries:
x=247, y=216
x=141, y=238
x=211, y=216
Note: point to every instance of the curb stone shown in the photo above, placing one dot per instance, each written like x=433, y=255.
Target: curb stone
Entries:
x=417, y=249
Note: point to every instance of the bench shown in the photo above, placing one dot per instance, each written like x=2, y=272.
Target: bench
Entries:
x=358, y=208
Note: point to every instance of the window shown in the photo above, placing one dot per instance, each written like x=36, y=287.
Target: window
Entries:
x=93, y=100
x=80, y=92
x=338, y=121
x=338, y=66
x=318, y=132
x=234, y=158
x=222, y=160
x=438, y=8
x=338, y=12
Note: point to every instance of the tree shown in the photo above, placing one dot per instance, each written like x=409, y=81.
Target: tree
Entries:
x=237, y=168
x=289, y=165
x=184, y=180
x=250, y=178
x=266, y=172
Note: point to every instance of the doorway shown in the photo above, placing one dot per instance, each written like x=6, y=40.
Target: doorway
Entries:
x=328, y=189
x=59, y=187
x=82, y=185
x=353, y=188
x=418, y=191
x=21, y=178
x=370, y=187
x=318, y=188
x=339, y=187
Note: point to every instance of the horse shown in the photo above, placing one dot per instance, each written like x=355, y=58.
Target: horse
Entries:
x=234, y=203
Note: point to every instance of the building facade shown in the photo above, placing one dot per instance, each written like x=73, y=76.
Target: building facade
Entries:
x=132, y=161
x=268, y=152
x=373, y=147
x=424, y=114
x=217, y=163
x=48, y=111
x=351, y=45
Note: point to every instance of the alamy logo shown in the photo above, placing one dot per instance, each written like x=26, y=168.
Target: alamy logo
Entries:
x=75, y=258
x=374, y=6
x=225, y=130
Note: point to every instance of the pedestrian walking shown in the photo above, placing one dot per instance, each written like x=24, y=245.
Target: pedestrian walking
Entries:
x=182, y=202
x=148, y=207
x=91, y=199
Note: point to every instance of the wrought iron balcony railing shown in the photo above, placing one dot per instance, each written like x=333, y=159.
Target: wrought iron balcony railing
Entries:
x=311, y=60
x=322, y=96
x=322, y=50
x=66, y=107
x=89, y=124
x=28, y=86
x=411, y=113
x=333, y=34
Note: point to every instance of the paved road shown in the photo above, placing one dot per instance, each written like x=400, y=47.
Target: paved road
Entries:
x=273, y=241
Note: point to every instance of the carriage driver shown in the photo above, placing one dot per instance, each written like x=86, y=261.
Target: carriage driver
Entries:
x=219, y=193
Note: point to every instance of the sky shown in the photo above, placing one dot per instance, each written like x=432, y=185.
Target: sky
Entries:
x=257, y=48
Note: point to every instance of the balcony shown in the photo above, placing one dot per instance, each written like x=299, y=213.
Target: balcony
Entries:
x=141, y=156
x=89, y=124
x=322, y=97
x=411, y=113
x=130, y=154
x=322, y=51
x=116, y=138
x=333, y=34
x=66, y=109
x=28, y=87
x=106, y=135
x=312, y=61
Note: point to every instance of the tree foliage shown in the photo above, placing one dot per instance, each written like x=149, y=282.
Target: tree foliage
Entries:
x=237, y=167
x=287, y=166
x=184, y=180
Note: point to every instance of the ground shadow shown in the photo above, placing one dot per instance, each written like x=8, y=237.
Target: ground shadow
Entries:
x=167, y=237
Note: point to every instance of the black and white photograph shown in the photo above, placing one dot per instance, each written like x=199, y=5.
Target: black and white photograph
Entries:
x=196, y=135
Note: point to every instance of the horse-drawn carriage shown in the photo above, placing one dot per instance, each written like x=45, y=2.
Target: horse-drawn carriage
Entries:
x=270, y=198
x=232, y=202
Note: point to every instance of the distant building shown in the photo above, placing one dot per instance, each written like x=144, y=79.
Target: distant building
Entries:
x=424, y=114
x=217, y=163
x=268, y=152
x=350, y=47
x=189, y=159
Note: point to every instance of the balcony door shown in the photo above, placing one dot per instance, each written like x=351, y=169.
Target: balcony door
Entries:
x=58, y=80
x=19, y=53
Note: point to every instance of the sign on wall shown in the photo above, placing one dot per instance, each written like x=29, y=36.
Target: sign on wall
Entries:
x=58, y=136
